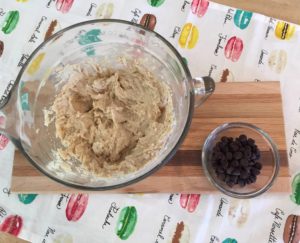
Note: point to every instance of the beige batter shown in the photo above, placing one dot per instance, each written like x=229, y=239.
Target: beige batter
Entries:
x=113, y=121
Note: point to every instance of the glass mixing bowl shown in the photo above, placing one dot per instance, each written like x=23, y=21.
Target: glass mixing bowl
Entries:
x=103, y=40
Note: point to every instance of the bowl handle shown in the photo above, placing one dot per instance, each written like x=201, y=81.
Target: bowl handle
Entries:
x=203, y=88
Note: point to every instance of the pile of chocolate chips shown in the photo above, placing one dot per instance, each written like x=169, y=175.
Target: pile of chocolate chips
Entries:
x=235, y=161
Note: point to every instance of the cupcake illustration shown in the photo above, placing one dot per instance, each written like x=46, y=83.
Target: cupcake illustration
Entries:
x=284, y=30
x=277, y=60
x=199, y=7
x=229, y=240
x=1, y=47
x=234, y=49
x=52, y=28
x=189, y=36
x=291, y=233
x=295, y=197
x=34, y=66
x=3, y=141
x=12, y=224
x=76, y=206
x=181, y=233
x=27, y=198
x=105, y=11
x=64, y=6
x=10, y=21
x=126, y=222
x=156, y=3
x=242, y=18
x=189, y=201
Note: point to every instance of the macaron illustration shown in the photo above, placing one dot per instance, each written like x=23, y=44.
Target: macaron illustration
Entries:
x=76, y=206
x=64, y=6
x=185, y=61
x=226, y=76
x=105, y=11
x=189, y=201
x=233, y=48
x=12, y=225
x=238, y=212
x=1, y=47
x=242, y=18
x=53, y=27
x=3, y=141
x=156, y=3
x=63, y=238
x=181, y=234
x=126, y=222
x=277, y=60
x=10, y=22
x=22, y=1
x=284, y=31
x=291, y=233
x=229, y=240
x=27, y=198
x=148, y=21
x=35, y=64
x=295, y=197
x=189, y=36
x=90, y=37
x=199, y=7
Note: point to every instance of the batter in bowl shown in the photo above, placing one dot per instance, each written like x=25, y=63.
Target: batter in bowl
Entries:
x=113, y=121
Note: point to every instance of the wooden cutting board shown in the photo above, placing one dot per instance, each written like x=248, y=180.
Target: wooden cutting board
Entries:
x=258, y=103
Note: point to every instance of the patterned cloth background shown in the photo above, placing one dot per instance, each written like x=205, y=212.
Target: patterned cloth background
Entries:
x=223, y=42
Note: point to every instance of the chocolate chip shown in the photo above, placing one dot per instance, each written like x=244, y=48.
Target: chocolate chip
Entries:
x=258, y=166
x=241, y=182
x=244, y=174
x=229, y=170
x=221, y=176
x=237, y=155
x=224, y=139
x=234, y=147
x=230, y=183
x=254, y=171
x=244, y=162
x=235, y=163
x=229, y=155
x=251, y=141
x=236, y=172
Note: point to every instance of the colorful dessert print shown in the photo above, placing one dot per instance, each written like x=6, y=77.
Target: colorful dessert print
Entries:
x=148, y=21
x=27, y=198
x=242, y=18
x=229, y=240
x=189, y=201
x=284, y=31
x=12, y=225
x=238, y=212
x=90, y=37
x=10, y=22
x=291, y=233
x=64, y=6
x=51, y=29
x=35, y=64
x=22, y=1
x=25, y=102
x=1, y=47
x=76, y=206
x=156, y=3
x=3, y=141
x=199, y=7
x=226, y=76
x=295, y=197
x=105, y=11
x=126, y=222
x=63, y=238
x=277, y=60
x=181, y=234
x=189, y=36
x=234, y=48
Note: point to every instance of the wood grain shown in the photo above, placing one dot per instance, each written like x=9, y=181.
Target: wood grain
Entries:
x=7, y=238
x=256, y=103
x=282, y=9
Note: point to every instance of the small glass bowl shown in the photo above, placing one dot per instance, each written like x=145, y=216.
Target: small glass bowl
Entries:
x=269, y=159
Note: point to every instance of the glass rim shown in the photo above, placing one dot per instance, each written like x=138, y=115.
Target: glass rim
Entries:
x=265, y=135
x=167, y=158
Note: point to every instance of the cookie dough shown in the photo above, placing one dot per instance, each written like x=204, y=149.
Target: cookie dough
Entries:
x=113, y=121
